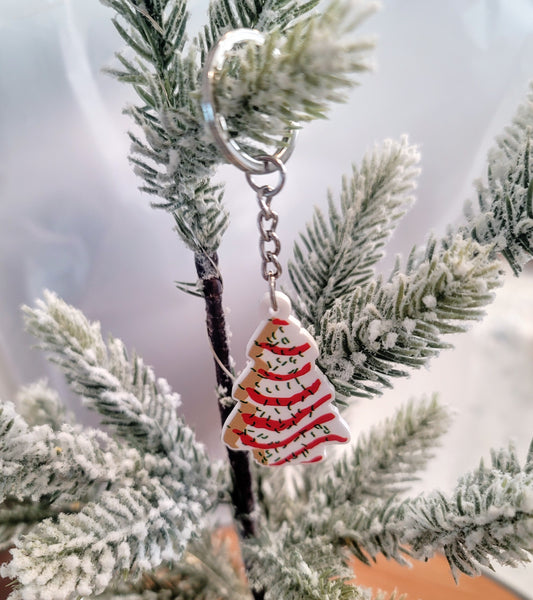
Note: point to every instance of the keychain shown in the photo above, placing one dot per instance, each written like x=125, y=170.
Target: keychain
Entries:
x=284, y=412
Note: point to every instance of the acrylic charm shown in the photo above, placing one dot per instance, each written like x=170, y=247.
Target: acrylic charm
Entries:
x=284, y=411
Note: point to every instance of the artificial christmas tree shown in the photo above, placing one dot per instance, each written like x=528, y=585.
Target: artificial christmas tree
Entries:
x=83, y=507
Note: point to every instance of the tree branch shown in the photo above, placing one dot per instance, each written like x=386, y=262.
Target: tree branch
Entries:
x=242, y=495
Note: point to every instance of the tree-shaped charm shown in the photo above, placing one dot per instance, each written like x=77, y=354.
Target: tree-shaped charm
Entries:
x=284, y=411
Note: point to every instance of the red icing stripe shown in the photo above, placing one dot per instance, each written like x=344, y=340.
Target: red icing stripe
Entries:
x=279, y=322
x=310, y=446
x=316, y=459
x=248, y=440
x=281, y=351
x=280, y=425
x=258, y=398
x=275, y=377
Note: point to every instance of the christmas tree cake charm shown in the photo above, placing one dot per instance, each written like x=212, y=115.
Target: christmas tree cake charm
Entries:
x=284, y=411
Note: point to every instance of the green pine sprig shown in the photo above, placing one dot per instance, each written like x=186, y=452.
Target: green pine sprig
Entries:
x=97, y=507
x=381, y=329
x=296, y=75
x=170, y=149
x=140, y=408
x=488, y=517
x=385, y=461
x=505, y=216
x=131, y=529
x=381, y=464
x=39, y=404
x=339, y=251
x=264, y=15
x=284, y=569
x=40, y=465
x=209, y=571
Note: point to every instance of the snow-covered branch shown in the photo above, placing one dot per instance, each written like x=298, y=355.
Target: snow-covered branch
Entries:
x=337, y=253
x=141, y=408
x=369, y=336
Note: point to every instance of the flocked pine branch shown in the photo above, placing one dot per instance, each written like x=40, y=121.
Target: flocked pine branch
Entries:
x=173, y=155
x=39, y=404
x=56, y=467
x=130, y=529
x=384, y=462
x=170, y=153
x=264, y=15
x=149, y=496
x=488, y=517
x=374, y=333
x=505, y=216
x=297, y=74
x=17, y=518
x=374, y=329
x=379, y=465
x=292, y=566
x=298, y=571
x=139, y=407
x=46, y=472
x=338, y=252
x=300, y=517
x=210, y=570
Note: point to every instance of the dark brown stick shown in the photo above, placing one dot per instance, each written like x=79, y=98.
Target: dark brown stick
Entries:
x=242, y=495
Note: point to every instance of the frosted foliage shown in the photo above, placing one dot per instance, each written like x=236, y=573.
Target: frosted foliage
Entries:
x=505, y=218
x=487, y=517
x=85, y=509
x=296, y=75
x=383, y=462
x=99, y=508
x=338, y=254
x=38, y=404
x=80, y=554
x=172, y=153
x=399, y=323
x=63, y=466
x=141, y=408
x=307, y=516
x=103, y=375
x=264, y=15
x=208, y=572
x=292, y=572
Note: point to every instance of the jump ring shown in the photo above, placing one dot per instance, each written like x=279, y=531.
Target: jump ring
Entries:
x=266, y=191
x=216, y=123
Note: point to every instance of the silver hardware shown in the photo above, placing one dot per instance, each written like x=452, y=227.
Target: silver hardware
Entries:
x=216, y=123
x=267, y=221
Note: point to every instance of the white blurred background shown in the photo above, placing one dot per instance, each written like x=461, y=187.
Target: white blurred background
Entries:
x=450, y=74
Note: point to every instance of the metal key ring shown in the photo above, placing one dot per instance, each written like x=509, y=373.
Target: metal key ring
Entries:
x=217, y=124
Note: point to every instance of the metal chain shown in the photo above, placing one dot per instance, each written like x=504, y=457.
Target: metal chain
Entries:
x=269, y=243
x=267, y=221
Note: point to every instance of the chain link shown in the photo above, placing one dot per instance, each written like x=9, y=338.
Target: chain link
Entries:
x=267, y=221
x=269, y=243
